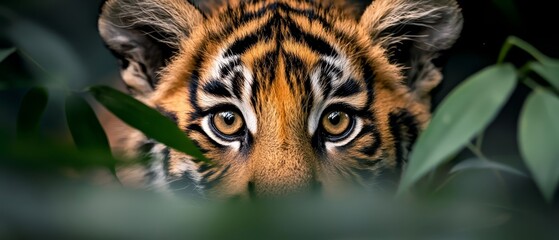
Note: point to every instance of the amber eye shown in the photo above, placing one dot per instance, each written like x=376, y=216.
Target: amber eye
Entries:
x=228, y=122
x=336, y=123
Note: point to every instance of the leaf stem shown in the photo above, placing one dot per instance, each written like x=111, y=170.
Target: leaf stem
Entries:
x=519, y=43
x=479, y=140
x=446, y=182
x=531, y=83
x=477, y=152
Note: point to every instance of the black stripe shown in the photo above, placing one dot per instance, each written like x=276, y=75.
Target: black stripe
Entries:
x=365, y=162
x=204, y=167
x=365, y=130
x=197, y=128
x=237, y=84
x=369, y=130
x=293, y=65
x=194, y=81
x=268, y=64
x=145, y=147
x=217, y=88
x=316, y=44
x=254, y=90
x=242, y=44
x=319, y=45
x=372, y=149
x=309, y=13
x=307, y=89
x=203, y=150
x=325, y=83
x=166, y=158
x=369, y=77
x=208, y=184
x=348, y=88
x=248, y=16
x=368, y=73
x=404, y=129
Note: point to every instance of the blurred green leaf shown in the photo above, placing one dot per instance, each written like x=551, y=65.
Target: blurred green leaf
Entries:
x=36, y=154
x=479, y=164
x=146, y=119
x=87, y=132
x=466, y=111
x=549, y=70
x=32, y=108
x=84, y=126
x=4, y=53
x=539, y=139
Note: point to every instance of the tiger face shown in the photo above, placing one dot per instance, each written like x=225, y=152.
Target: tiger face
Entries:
x=282, y=96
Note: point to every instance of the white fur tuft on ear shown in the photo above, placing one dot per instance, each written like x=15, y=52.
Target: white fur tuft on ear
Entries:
x=166, y=21
x=144, y=35
x=438, y=22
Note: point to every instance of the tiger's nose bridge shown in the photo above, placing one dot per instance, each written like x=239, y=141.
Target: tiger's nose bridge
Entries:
x=282, y=166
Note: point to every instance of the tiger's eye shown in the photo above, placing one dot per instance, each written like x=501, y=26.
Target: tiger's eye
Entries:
x=336, y=123
x=228, y=122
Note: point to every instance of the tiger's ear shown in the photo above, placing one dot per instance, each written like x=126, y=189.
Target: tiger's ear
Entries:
x=144, y=35
x=414, y=32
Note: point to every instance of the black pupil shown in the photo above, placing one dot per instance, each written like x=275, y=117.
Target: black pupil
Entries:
x=228, y=117
x=334, y=118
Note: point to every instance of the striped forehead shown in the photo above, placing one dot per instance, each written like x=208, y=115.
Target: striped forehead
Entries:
x=278, y=42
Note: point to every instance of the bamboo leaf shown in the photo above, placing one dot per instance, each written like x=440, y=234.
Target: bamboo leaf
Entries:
x=538, y=138
x=466, y=111
x=146, y=119
x=87, y=132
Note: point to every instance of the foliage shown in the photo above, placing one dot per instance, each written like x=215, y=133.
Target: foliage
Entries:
x=427, y=204
x=471, y=107
x=152, y=123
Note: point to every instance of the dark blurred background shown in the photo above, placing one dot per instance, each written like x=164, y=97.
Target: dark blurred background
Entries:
x=61, y=35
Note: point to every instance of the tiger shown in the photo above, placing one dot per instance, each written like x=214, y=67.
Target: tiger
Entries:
x=282, y=96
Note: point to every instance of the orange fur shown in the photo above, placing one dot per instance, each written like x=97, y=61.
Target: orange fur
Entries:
x=282, y=159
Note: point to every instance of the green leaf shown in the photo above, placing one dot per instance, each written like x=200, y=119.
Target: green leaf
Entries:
x=539, y=139
x=146, y=119
x=466, y=111
x=478, y=164
x=84, y=126
x=34, y=154
x=549, y=70
x=5, y=53
x=32, y=108
x=87, y=132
